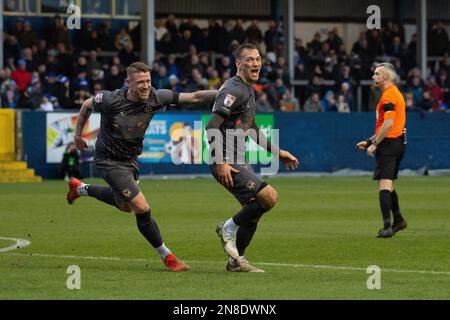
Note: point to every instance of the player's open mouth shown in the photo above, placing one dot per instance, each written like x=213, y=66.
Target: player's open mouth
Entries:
x=254, y=72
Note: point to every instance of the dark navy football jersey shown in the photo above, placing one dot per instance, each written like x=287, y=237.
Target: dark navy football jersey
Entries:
x=124, y=122
x=236, y=103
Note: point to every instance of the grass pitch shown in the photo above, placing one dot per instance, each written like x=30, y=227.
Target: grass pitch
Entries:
x=315, y=244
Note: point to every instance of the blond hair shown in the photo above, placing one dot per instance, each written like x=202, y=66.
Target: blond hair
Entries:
x=390, y=71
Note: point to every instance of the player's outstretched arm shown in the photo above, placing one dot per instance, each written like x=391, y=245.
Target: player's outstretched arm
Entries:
x=199, y=97
x=84, y=114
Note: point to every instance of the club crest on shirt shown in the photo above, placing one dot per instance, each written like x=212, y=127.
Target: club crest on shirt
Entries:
x=251, y=185
x=126, y=192
x=148, y=109
x=229, y=100
x=99, y=98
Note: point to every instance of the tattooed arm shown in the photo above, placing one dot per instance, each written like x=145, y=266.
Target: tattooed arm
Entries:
x=199, y=97
x=84, y=114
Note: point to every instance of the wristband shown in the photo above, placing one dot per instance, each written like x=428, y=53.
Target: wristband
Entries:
x=369, y=142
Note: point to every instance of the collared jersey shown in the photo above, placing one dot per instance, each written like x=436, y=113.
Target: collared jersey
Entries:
x=391, y=106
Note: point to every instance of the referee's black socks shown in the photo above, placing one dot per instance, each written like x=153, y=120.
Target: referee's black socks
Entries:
x=395, y=207
x=385, y=206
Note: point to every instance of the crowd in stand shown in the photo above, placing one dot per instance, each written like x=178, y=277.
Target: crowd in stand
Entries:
x=53, y=74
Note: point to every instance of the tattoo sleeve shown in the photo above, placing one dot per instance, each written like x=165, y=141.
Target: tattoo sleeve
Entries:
x=199, y=97
x=84, y=114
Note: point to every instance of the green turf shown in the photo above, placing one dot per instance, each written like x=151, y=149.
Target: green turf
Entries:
x=318, y=222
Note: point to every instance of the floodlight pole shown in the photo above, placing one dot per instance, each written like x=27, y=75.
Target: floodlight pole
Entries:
x=147, y=31
x=289, y=34
x=421, y=47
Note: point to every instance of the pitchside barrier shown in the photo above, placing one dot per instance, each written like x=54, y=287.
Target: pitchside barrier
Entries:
x=323, y=142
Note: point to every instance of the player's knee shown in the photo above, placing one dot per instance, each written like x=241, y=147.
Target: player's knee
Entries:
x=269, y=198
x=141, y=209
x=272, y=198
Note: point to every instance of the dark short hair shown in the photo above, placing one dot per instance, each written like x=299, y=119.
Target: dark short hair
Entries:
x=245, y=46
x=137, y=67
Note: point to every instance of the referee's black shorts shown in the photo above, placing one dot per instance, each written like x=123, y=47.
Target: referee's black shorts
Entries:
x=388, y=156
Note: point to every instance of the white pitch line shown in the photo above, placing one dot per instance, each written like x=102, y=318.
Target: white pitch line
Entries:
x=289, y=265
x=19, y=243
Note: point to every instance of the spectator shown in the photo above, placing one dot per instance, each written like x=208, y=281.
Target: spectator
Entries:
x=238, y=32
x=348, y=96
x=93, y=63
x=272, y=36
x=160, y=29
x=438, y=40
x=342, y=105
x=444, y=83
x=32, y=97
x=115, y=80
x=11, y=48
x=106, y=36
x=416, y=89
x=410, y=103
x=27, y=55
x=65, y=59
x=315, y=45
x=253, y=33
x=174, y=84
x=427, y=102
x=185, y=41
x=28, y=38
x=126, y=55
x=41, y=52
x=334, y=40
x=313, y=104
x=21, y=76
x=46, y=105
x=329, y=102
x=59, y=33
x=161, y=80
x=122, y=39
x=289, y=103
x=52, y=64
x=262, y=104
x=213, y=78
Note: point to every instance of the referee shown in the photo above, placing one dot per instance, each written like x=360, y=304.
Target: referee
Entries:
x=388, y=146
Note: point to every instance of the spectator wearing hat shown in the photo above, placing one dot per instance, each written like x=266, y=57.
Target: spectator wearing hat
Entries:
x=21, y=76
x=174, y=84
